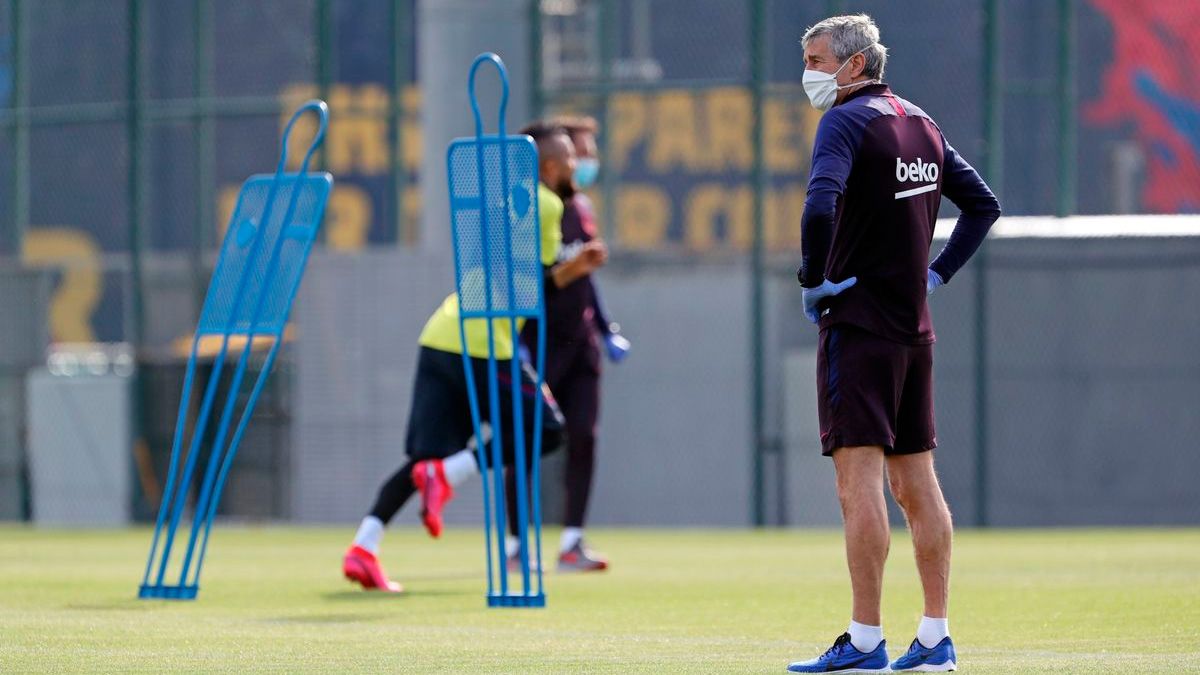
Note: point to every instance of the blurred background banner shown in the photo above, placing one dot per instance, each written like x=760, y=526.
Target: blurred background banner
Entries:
x=1068, y=369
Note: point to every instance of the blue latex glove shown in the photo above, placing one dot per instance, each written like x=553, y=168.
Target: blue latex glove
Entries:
x=827, y=289
x=617, y=347
x=932, y=281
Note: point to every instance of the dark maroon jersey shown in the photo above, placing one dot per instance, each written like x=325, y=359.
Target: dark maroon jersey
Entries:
x=571, y=312
x=880, y=167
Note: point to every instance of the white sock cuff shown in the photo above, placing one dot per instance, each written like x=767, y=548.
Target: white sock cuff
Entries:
x=932, y=631
x=459, y=467
x=570, y=537
x=865, y=638
x=370, y=533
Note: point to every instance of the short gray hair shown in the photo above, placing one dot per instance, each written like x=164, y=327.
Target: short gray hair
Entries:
x=849, y=35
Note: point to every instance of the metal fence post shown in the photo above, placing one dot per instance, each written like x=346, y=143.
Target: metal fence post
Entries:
x=136, y=191
x=19, y=130
x=537, y=100
x=608, y=182
x=758, y=177
x=324, y=28
x=993, y=113
x=401, y=229
x=202, y=89
x=136, y=195
x=1067, y=98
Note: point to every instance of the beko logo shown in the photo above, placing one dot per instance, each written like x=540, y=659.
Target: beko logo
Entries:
x=919, y=171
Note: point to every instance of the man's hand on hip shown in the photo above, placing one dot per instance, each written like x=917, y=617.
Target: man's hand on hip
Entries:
x=932, y=281
x=827, y=289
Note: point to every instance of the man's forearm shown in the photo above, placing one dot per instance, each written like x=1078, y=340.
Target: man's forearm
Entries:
x=816, y=234
x=566, y=273
x=970, y=231
x=598, y=314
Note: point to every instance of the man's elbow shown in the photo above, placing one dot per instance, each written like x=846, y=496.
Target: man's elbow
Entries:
x=988, y=208
x=819, y=211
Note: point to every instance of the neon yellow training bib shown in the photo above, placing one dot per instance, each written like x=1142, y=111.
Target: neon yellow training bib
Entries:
x=441, y=331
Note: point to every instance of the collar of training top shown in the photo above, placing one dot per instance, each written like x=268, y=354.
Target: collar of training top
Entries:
x=881, y=89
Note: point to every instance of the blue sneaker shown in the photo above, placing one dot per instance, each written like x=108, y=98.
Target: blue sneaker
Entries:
x=940, y=659
x=842, y=657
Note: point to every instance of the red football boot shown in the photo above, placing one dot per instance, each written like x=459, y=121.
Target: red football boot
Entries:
x=362, y=566
x=580, y=558
x=430, y=478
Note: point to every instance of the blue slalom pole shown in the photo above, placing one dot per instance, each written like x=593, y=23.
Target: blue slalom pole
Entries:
x=206, y=494
x=247, y=262
x=476, y=210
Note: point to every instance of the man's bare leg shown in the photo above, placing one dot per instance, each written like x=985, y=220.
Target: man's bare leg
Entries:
x=860, y=490
x=915, y=486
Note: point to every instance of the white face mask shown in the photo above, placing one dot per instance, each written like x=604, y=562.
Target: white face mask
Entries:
x=822, y=88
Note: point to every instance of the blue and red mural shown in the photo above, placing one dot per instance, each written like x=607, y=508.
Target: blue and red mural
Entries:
x=1152, y=86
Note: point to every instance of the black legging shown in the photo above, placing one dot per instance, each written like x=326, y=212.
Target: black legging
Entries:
x=574, y=379
x=439, y=423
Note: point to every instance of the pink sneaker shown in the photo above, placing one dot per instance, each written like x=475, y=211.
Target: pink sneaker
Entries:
x=430, y=478
x=362, y=566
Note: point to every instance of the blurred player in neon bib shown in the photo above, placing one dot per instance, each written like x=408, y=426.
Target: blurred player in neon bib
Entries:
x=577, y=331
x=439, y=424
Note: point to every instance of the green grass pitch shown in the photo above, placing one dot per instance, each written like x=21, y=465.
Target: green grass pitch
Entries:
x=685, y=601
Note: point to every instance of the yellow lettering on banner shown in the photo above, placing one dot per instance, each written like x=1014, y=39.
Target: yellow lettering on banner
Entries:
x=812, y=118
x=348, y=218
x=730, y=122
x=720, y=217
x=781, y=142
x=643, y=213
x=705, y=205
x=226, y=202
x=76, y=253
x=412, y=215
x=709, y=206
x=348, y=215
x=357, y=138
x=628, y=127
x=781, y=222
x=675, y=141
x=739, y=223
x=410, y=129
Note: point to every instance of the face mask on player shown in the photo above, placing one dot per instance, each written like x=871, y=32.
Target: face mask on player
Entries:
x=586, y=171
x=822, y=88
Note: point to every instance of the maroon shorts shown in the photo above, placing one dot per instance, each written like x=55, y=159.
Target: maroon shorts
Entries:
x=873, y=391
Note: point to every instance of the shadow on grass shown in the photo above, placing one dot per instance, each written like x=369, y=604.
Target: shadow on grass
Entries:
x=321, y=619
x=446, y=576
x=375, y=596
x=115, y=604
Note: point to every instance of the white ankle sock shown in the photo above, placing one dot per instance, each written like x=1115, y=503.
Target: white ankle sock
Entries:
x=570, y=537
x=459, y=467
x=370, y=533
x=932, y=631
x=865, y=638
x=511, y=545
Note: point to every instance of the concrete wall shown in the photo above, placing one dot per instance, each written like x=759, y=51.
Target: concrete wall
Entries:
x=24, y=336
x=674, y=421
x=1094, y=348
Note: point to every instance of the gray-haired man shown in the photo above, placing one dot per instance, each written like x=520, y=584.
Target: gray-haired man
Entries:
x=880, y=167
